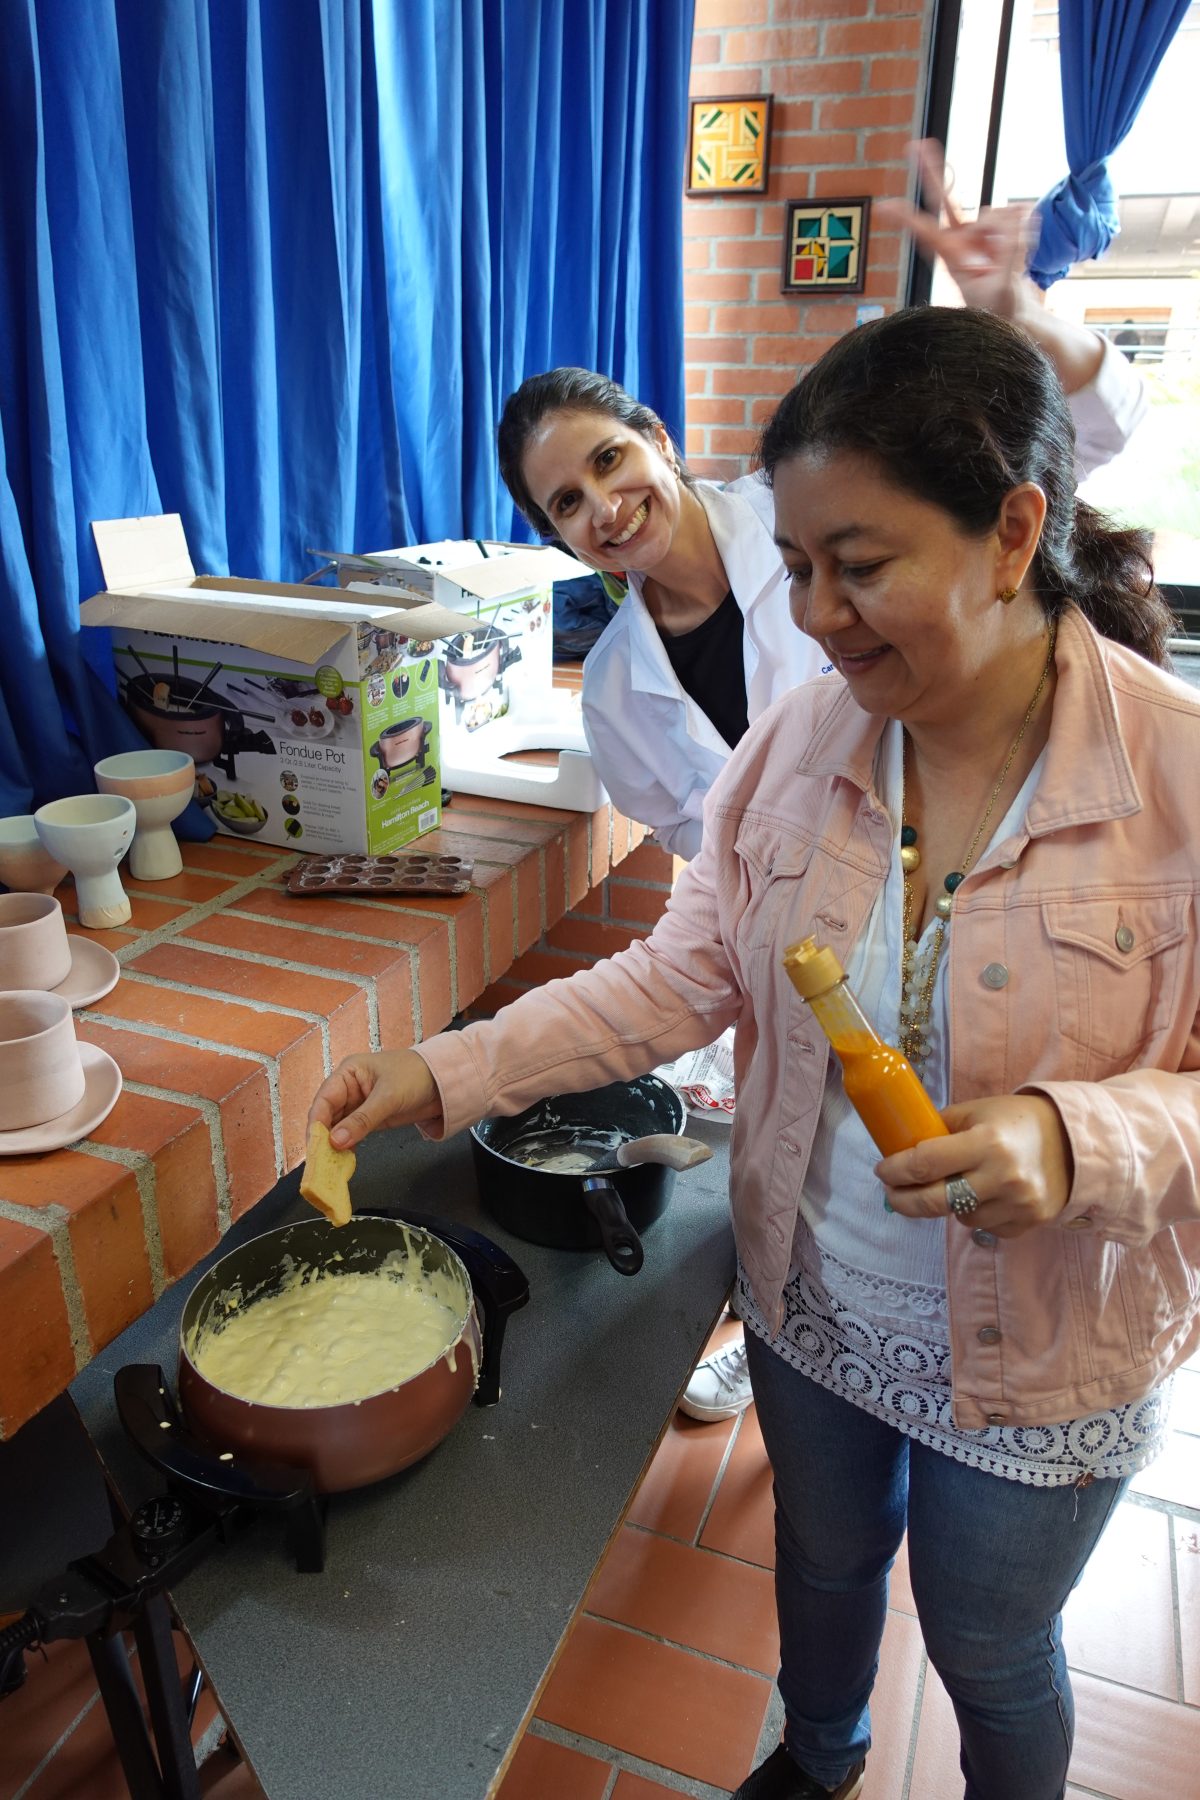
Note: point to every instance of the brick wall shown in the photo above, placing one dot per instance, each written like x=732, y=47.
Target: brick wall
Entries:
x=848, y=78
x=624, y=906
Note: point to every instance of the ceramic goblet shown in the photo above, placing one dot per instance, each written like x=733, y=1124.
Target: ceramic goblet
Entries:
x=25, y=867
x=91, y=833
x=160, y=783
x=41, y=1074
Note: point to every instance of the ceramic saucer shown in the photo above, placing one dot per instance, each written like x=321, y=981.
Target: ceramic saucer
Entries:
x=102, y=1085
x=95, y=971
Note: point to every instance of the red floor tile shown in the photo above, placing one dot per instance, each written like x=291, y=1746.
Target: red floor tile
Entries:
x=225, y=1777
x=56, y=1690
x=892, y=1706
x=1132, y=1745
x=87, y=1764
x=663, y=1705
x=742, y=1520
x=636, y=1787
x=678, y=1485
x=690, y=1597
x=935, y=1773
x=1175, y=1477
x=1187, y=1571
x=541, y=1770
x=1118, y=1622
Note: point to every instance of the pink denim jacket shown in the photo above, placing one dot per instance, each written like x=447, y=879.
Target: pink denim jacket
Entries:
x=1074, y=971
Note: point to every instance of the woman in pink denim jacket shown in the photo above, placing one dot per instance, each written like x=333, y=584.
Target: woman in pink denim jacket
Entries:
x=969, y=1340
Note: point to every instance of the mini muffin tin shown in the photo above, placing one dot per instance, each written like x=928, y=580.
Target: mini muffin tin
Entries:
x=415, y=874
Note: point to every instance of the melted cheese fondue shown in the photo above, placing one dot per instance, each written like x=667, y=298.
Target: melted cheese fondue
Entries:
x=331, y=1339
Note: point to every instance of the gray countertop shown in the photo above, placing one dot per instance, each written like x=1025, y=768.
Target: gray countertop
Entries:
x=406, y=1668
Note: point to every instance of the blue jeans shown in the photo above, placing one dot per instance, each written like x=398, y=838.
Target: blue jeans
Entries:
x=991, y=1561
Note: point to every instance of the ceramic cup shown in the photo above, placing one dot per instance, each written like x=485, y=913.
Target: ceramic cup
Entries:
x=35, y=951
x=160, y=783
x=24, y=866
x=41, y=1074
x=91, y=833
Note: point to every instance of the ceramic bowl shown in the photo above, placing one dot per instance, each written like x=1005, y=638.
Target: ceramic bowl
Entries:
x=91, y=833
x=35, y=951
x=41, y=1074
x=160, y=784
x=25, y=867
x=242, y=827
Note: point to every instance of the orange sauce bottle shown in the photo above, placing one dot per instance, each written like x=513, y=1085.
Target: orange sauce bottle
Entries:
x=880, y=1082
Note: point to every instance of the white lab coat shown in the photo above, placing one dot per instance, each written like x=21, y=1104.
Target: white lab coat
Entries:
x=654, y=749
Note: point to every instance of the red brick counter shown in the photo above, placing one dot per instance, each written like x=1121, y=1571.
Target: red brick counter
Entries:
x=234, y=1000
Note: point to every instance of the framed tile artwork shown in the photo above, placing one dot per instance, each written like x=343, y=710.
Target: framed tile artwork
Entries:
x=728, y=144
x=825, y=246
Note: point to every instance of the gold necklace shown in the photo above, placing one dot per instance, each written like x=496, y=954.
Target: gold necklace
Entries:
x=916, y=1003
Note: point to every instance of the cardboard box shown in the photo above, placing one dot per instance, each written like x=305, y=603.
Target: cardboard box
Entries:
x=505, y=666
x=311, y=713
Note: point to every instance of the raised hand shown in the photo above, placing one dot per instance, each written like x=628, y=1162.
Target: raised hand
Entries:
x=986, y=256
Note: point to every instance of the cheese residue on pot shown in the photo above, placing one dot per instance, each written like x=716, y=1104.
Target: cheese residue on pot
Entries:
x=330, y=1340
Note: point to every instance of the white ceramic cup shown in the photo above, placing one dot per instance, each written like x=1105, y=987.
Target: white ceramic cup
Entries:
x=41, y=1075
x=35, y=951
x=91, y=833
x=160, y=784
x=24, y=866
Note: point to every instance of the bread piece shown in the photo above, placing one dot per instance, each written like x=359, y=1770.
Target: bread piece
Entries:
x=325, y=1180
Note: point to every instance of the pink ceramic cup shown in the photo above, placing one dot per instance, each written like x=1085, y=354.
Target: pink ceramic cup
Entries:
x=41, y=1075
x=35, y=951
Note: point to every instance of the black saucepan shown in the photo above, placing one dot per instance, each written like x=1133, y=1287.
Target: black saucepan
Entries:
x=601, y=1207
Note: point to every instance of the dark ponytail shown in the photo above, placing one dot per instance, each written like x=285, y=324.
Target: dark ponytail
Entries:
x=565, y=390
x=959, y=408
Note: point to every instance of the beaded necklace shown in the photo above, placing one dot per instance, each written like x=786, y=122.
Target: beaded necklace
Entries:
x=916, y=990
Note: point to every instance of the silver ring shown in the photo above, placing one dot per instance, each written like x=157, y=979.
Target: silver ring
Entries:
x=961, y=1198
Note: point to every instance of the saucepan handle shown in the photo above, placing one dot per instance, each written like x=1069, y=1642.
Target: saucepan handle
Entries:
x=622, y=1245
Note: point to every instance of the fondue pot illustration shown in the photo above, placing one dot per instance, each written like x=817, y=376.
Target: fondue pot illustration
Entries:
x=401, y=744
x=472, y=665
x=173, y=712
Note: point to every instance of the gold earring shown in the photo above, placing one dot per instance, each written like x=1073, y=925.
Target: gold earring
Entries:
x=1007, y=595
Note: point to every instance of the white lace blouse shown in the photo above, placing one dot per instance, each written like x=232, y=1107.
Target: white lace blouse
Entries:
x=865, y=1310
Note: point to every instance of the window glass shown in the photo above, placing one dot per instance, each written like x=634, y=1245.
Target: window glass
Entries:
x=1145, y=292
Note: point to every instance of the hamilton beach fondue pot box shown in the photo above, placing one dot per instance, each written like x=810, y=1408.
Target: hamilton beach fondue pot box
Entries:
x=311, y=713
x=502, y=665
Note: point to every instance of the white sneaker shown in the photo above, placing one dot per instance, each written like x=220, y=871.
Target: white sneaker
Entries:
x=720, y=1385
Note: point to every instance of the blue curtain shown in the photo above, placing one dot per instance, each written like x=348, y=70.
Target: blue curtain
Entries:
x=1110, y=50
x=276, y=264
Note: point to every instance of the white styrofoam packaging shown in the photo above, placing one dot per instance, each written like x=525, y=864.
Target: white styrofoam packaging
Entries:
x=311, y=712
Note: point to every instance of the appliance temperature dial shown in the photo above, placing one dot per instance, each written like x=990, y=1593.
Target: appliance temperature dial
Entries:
x=158, y=1525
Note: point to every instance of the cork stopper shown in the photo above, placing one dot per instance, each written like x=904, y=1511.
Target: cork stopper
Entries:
x=812, y=967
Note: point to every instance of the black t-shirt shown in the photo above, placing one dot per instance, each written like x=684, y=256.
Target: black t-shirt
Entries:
x=710, y=665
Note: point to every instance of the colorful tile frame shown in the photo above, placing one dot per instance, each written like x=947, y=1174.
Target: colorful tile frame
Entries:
x=729, y=144
x=825, y=246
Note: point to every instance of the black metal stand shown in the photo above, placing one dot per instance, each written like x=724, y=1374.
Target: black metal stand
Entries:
x=161, y=1766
